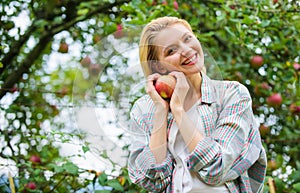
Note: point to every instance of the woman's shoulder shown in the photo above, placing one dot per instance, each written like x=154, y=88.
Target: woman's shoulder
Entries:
x=143, y=103
x=231, y=86
x=143, y=100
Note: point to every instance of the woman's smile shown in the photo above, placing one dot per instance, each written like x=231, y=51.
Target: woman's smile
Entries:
x=191, y=60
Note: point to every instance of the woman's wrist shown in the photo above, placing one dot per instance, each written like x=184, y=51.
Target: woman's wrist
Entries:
x=161, y=110
x=177, y=111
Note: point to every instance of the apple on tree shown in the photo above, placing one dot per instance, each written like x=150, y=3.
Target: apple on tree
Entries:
x=94, y=69
x=262, y=89
x=165, y=86
x=272, y=164
x=175, y=4
x=256, y=61
x=63, y=47
x=85, y=62
x=96, y=38
x=13, y=89
x=35, y=159
x=274, y=100
x=30, y=185
x=294, y=109
x=264, y=130
x=164, y=3
x=119, y=32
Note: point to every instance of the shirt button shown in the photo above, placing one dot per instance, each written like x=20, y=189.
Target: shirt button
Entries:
x=177, y=190
x=188, y=164
x=180, y=166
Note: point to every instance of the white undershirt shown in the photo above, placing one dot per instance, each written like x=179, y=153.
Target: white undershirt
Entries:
x=184, y=179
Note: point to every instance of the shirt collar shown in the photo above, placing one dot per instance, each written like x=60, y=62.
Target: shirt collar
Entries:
x=208, y=92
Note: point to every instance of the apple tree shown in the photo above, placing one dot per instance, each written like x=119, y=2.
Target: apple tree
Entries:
x=60, y=56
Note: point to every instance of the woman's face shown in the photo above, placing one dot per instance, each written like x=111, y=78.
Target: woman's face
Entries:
x=179, y=50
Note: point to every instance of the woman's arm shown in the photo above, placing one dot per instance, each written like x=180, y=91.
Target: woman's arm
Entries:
x=150, y=164
x=142, y=164
x=158, y=137
x=191, y=135
x=234, y=146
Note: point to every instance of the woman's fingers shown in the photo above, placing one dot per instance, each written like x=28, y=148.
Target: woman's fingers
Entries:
x=150, y=88
x=151, y=91
x=182, y=85
x=180, y=91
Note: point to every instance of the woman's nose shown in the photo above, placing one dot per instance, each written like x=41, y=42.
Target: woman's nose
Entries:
x=185, y=50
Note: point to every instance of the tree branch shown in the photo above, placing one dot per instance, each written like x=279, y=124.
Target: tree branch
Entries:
x=44, y=40
x=16, y=47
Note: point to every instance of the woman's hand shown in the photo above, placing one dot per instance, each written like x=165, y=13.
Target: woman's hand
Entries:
x=159, y=102
x=180, y=92
x=158, y=140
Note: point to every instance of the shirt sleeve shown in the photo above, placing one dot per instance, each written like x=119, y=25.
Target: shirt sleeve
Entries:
x=234, y=146
x=142, y=166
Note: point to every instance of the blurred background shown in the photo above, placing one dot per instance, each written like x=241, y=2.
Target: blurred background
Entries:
x=69, y=74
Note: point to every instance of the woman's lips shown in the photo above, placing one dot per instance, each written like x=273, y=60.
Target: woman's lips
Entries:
x=190, y=61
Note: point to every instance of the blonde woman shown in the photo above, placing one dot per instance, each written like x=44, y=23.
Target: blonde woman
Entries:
x=205, y=138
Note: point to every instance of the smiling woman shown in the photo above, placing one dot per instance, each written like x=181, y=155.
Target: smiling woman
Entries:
x=204, y=138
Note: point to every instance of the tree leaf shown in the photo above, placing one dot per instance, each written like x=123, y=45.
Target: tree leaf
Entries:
x=115, y=184
x=71, y=168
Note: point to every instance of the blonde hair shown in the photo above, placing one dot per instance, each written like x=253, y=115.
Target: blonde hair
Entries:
x=147, y=47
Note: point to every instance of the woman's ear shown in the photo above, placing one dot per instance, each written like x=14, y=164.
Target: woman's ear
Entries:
x=156, y=67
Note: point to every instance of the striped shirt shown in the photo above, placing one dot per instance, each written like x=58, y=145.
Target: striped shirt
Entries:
x=231, y=155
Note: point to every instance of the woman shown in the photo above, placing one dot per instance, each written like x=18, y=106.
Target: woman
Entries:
x=204, y=139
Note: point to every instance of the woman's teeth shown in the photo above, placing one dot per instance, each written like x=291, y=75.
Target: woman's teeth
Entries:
x=190, y=60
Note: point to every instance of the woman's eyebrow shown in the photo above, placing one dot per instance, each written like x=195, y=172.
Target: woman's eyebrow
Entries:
x=164, y=48
x=183, y=36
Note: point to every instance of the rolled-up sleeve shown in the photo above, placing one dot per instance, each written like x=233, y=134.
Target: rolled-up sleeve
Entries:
x=142, y=166
x=234, y=145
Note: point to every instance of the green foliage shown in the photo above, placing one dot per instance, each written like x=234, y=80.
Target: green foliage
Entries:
x=35, y=95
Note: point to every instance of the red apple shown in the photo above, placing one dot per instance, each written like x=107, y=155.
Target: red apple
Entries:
x=165, y=86
x=35, y=159
x=261, y=89
x=232, y=7
x=272, y=164
x=86, y=61
x=119, y=32
x=63, y=91
x=264, y=130
x=274, y=100
x=13, y=89
x=256, y=61
x=239, y=76
x=63, y=47
x=175, y=4
x=294, y=109
x=96, y=38
x=265, y=86
x=30, y=185
x=164, y=3
x=94, y=69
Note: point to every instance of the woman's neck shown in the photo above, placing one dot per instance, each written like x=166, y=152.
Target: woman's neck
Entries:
x=194, y=93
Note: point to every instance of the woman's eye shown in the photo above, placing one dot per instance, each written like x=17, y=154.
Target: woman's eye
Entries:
x=188, y=37
x=170, y=51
